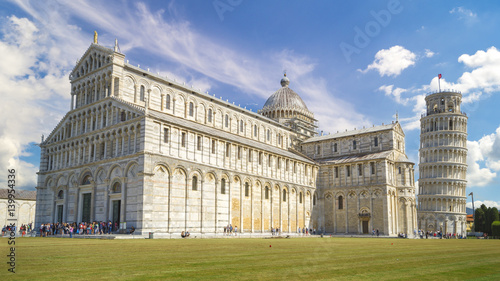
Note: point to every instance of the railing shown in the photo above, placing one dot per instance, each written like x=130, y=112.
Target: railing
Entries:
x=444, y=91
x=437, y=111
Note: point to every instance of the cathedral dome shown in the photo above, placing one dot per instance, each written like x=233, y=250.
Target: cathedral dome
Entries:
x=285, y=98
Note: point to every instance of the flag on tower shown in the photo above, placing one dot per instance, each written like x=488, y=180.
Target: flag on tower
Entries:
x=439, y=76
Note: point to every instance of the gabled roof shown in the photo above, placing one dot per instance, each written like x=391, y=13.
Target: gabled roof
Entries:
x=91, y=48
x=357, y=157
x=355, y=132
x=20, y=194
x=130, y=106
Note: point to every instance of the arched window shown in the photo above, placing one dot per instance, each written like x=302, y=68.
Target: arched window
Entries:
x=168, y=102
x=353, y=144
x=300, y=198
x=141, y=97
x=209, y=117
x=268, y=135
x=335, y=147
x=123, y=116
x=255, y=130
x=223, y=186
x=117, y=188
x=86, y=180
x=226, y=121
x=375, y=140
x=60, y=194
x=191, y=109
x=284, y=195
x=195, y=183
x=314, y=200
x=341, y=202
x=247, y=190
x=266, y=194
x=241, y=126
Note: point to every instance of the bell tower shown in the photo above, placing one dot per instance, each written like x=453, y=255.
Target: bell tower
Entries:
x=443, y=165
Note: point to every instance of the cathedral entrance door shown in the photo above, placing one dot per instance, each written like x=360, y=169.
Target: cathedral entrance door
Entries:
x=116, y=212
x=87, y=197
x=365, y=227
x=59, y=213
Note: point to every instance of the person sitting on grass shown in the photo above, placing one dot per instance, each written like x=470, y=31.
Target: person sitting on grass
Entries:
x=132, y=229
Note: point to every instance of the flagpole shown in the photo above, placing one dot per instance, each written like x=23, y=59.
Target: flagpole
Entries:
x=439, y=82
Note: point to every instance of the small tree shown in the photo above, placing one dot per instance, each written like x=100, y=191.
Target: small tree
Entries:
x=479, y=220
x=495, y=229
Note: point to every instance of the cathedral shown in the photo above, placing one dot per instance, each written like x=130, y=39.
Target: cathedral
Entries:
x=148, y=152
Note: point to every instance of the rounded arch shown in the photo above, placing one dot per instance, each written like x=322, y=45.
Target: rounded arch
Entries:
x=115, y=171
x=161, y=168
x=131, y=77
x=197, y=172
x=329, y=195
x=211, y=176
x=144, y=82
x=85, y=177
x=49, y=182
x=157, y=87
x=236, y=179
x=180, y=169
x=61, y=180
x=131, y=168
x=364, y=210
x=60, y=194
x=180, y=95
x=115, y=187
x=101, y=175
x=72, y=182
x=224, y=175
x=339, y=193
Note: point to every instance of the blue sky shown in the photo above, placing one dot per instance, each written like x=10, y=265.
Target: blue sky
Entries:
x=355, y=63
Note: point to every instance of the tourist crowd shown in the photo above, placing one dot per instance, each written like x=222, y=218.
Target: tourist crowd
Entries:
x=83, y=228
x=23, y=230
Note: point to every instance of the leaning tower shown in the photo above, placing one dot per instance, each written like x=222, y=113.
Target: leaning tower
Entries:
x=443, y=168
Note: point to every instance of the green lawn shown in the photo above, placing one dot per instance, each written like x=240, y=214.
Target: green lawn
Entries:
x=253, y=259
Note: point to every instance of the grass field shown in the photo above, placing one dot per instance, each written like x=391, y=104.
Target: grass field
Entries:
x=253, y=259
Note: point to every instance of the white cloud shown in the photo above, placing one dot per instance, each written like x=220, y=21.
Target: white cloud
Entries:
x=485, y=74
x=33, y=75
x=395, y=93
x=390, y=62
x=429, y=53
x=487, y=203
x=476, y=175
x=463, y=13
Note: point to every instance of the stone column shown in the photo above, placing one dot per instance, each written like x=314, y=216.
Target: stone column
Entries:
x=112, y=86
x=202, y=180
x=123, y=207
x=135, y=93
x=216, y=205
x=106, y=200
